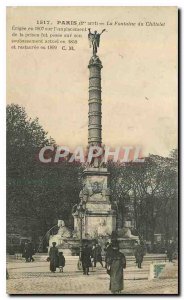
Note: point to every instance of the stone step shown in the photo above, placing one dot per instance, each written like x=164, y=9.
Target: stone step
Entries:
x=130, y=259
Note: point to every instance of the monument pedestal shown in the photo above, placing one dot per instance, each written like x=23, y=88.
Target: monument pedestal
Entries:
x=99, y=217
x=127, y=245
x=127, y=241
x=69, y=246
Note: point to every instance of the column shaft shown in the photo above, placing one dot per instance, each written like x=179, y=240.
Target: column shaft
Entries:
x=95, y=114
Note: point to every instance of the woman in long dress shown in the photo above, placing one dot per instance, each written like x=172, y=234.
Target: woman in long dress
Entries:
x=115, y=265
x=54, y=257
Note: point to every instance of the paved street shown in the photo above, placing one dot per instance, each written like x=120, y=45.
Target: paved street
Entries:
x=35, y=278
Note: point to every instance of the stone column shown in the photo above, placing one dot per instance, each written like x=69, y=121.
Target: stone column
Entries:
x=94, y=115
x=100, y=217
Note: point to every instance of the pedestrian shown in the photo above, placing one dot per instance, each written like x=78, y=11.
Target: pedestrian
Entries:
x=107, y=250
x=115, y=265
x=54, y=258
x=26, y=252
x=97, y=254
x=139, y=254
x=86, y=259
x=61, y=262
x=7, y=274
x=170, y=250
x=31, y=251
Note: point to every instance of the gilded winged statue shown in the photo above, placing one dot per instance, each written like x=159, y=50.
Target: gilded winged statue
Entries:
x=94, y=40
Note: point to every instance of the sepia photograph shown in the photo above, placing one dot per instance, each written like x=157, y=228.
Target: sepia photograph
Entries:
x=92, y=150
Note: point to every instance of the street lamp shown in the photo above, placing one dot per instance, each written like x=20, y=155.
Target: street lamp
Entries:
x=81, y=211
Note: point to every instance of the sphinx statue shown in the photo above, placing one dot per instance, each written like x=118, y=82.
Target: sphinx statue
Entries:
x=63, y=231
x=62, y=234
x=125, y=232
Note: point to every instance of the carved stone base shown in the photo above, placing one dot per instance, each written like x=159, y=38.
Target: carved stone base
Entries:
x=127, y=245
x=99, y=217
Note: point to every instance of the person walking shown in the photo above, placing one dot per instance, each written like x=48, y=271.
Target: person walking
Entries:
x=97, y=254
x=26, y=251
x=61, y=262
x=54, y=258
x=107, y=250
x=139, y=254
x=86, y=259
x=170, y=251
x=115, y=265
x=7, y=274
x=31, y=251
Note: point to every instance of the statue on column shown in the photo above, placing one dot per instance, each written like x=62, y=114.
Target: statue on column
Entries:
x=94, y=40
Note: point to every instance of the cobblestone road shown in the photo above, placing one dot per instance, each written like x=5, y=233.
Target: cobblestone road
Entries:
x=35, y=278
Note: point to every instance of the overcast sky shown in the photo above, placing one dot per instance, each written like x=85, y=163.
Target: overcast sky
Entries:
x=139, y=78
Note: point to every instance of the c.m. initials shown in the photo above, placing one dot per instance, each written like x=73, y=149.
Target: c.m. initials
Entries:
x=70, y=48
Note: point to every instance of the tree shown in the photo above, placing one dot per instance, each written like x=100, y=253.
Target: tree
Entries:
x=37, y=194
x=24, y=138
x=152, y=187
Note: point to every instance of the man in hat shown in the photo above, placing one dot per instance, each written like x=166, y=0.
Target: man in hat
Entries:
x=86, y=259
x=26, y=252
x=139, y=254
x=97, y=254
x=115, y=265
x=54, y=258
x=30, y=251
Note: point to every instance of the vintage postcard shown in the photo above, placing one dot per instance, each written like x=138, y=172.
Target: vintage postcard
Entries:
x=92, y=150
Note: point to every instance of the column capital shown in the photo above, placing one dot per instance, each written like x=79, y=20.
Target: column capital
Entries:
x=95, y=61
